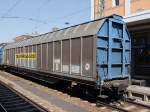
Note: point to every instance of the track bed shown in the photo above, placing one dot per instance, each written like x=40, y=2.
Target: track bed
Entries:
x=12, y=101
x=62, y=101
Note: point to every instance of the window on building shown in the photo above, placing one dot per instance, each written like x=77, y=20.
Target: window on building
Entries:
x=115, y=3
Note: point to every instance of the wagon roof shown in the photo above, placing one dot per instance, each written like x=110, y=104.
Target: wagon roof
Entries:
x=80, y=30
x=2, y=45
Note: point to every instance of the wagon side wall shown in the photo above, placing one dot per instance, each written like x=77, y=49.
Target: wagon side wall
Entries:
x=70, y=57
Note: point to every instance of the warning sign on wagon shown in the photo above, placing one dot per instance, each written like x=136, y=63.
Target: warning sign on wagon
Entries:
x=26, y=56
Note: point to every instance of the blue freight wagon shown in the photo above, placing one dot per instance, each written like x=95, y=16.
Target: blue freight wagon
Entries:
x=95, y=53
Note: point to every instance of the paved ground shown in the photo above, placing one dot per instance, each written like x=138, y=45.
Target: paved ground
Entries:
x=56, y=101
x=52, y=100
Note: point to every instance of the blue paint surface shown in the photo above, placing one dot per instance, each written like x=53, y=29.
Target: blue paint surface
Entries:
x=113, y=50
x=1, y=55
x=2, y=45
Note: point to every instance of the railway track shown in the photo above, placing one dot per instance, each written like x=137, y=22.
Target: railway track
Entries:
x=122, y=106
x=126, y=106
x=136, y=106
x=113, y=107
x=12, y=101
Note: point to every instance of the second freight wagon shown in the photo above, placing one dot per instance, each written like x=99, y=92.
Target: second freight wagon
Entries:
x=2, y=45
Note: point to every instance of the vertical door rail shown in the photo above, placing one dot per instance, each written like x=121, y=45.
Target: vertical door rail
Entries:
x=123, y=52
x=109, y=49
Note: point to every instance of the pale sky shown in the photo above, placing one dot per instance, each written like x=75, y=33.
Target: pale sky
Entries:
x=18, y=17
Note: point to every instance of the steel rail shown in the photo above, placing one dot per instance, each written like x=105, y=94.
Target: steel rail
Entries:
x=136, y=103
x=11, y=100
x=99, y=103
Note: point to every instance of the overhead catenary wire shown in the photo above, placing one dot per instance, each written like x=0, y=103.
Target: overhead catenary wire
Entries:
x=26, y=18
x=43, y=4
x=63, y=17
x=5, y=15
x=46, y=22
x=37, y=20
x=11, y=8
x=101, y=5
x=70, y=15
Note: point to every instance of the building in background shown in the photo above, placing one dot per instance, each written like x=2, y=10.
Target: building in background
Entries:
x=22, y=37
x=100, y=8
x=136, y=14
x=26, y=36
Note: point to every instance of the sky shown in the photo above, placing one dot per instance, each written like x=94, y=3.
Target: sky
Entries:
x=19, y=17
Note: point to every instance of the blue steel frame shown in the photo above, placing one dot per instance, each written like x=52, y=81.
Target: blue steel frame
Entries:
x=124, y=50
x=2, y=45
x=1, y=56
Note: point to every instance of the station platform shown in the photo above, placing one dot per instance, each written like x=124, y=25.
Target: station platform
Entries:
x=51, y=103
x=46, y=97
x=139, y=93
